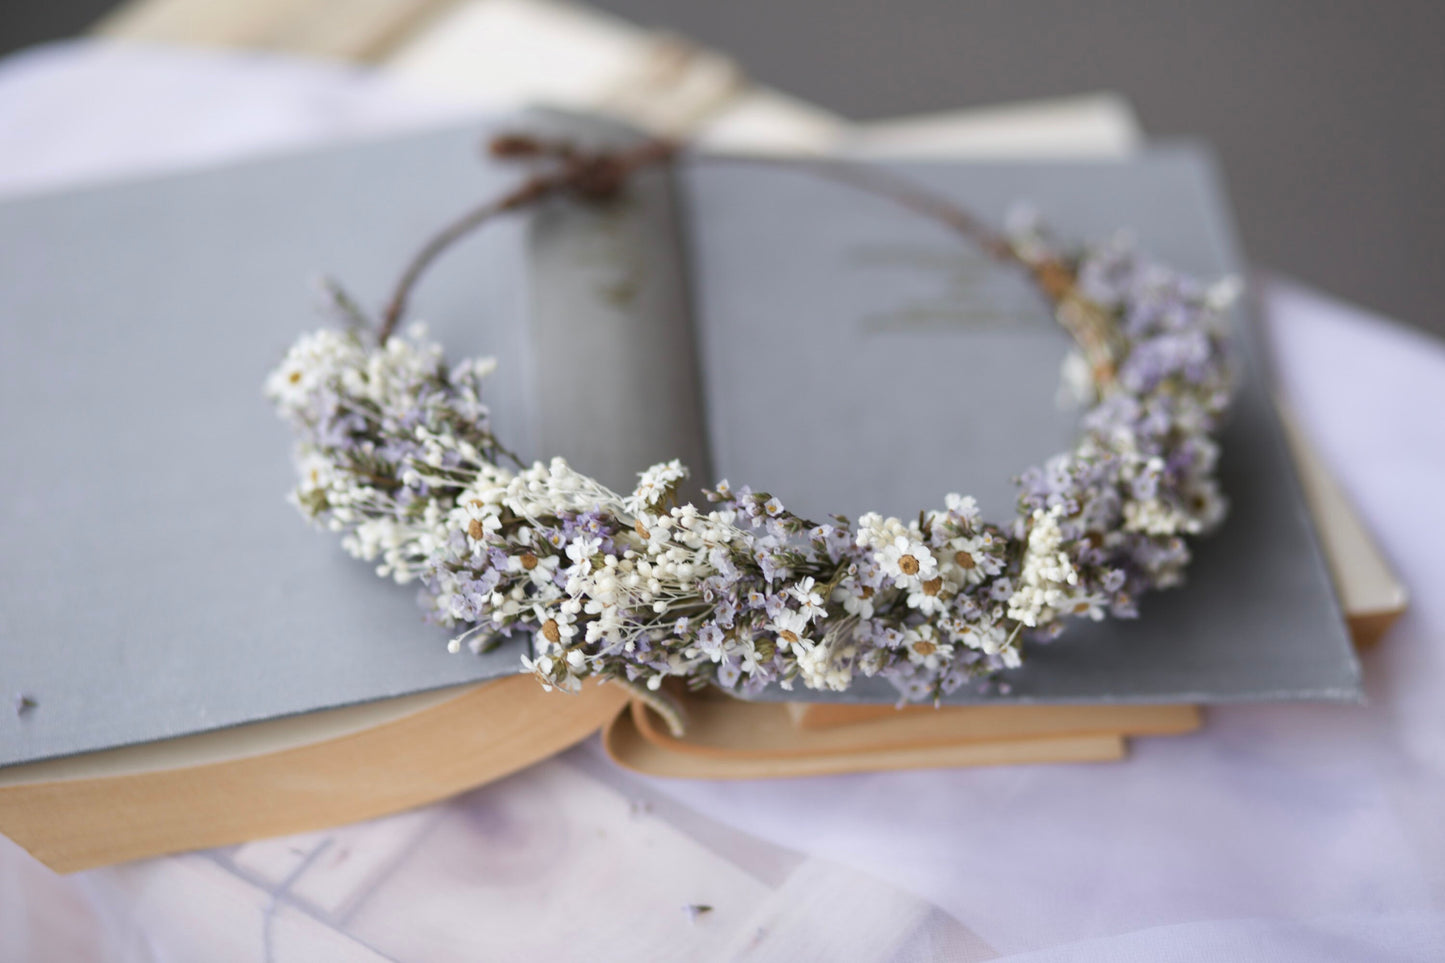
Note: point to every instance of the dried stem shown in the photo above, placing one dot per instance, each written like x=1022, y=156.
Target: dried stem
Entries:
x=596, y=175
x=918, y=199
x=592, y=175
x=1084, y=321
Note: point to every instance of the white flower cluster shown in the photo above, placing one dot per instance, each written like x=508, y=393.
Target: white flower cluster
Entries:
x=380, y=430
x=1048, y=580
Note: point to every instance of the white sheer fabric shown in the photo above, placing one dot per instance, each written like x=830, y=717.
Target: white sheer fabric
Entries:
x=1276, y=833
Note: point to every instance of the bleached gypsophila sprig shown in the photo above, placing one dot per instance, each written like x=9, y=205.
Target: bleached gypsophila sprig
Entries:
x=395, y=453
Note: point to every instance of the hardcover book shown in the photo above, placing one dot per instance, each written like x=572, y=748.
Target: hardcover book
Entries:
x=726, y=312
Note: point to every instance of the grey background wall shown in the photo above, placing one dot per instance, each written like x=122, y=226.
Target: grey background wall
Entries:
x=1329, y=115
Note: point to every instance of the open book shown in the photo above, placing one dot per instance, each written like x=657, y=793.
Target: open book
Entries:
x=158, y=590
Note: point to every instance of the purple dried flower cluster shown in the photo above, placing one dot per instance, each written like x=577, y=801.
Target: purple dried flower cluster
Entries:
x=395, y=453
x=386, y=437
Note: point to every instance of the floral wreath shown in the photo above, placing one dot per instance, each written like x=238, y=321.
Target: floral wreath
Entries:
x=396, y=454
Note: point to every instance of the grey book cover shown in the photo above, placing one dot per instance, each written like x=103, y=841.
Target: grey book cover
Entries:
x=154, y=583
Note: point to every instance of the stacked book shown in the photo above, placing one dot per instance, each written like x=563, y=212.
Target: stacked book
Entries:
x=193, y=667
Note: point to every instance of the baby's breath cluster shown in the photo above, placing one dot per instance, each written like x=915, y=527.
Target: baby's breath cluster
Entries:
x=395, y=453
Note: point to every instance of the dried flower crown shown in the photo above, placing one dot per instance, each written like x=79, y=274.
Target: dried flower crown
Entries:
x=395, y=453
